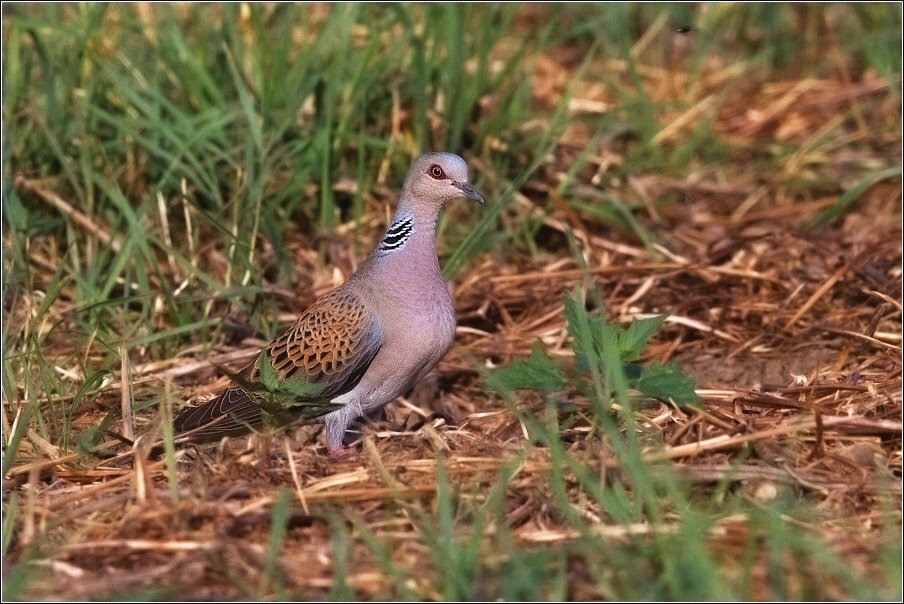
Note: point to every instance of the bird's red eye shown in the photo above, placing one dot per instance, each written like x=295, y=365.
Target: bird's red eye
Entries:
x=436, y=172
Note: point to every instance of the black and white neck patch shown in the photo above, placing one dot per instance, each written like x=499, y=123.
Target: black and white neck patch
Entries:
x=399, y=232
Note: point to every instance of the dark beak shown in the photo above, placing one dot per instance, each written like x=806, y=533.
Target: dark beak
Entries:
x=470, y=192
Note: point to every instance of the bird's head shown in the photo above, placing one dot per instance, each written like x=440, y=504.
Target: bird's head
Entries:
x=436, y=178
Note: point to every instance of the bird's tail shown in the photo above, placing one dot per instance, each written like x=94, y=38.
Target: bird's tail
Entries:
x=232, y=413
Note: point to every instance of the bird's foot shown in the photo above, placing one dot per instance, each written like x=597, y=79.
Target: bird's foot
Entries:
x=343, y=451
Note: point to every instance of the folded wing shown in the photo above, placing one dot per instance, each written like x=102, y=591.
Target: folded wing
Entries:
x=322, y=355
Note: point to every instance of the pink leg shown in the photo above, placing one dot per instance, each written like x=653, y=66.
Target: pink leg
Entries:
x=335, y=425
x=343, y=452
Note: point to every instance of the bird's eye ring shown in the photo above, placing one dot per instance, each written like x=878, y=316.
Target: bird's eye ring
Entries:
x=436, y=172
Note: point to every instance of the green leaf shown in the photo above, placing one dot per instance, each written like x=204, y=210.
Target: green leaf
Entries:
x=301, y=388
x=537, y=373
x=590, y=336
x=667, y=383
x=278, y=394
x=246, y=101
x=288, y=392
x=633, y=340
x=269, y=376
x=12, y=446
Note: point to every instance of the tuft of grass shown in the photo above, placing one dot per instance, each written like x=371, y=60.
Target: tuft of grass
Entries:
x=673, y=557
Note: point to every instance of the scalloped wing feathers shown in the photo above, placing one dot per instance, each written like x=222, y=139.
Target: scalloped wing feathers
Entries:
x=322, y=355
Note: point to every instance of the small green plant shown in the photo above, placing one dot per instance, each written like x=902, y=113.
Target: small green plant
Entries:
x=275, y=393
x=592, y=340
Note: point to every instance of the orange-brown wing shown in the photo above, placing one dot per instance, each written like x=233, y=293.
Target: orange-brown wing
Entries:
x=322, y=355
x=332, y=344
